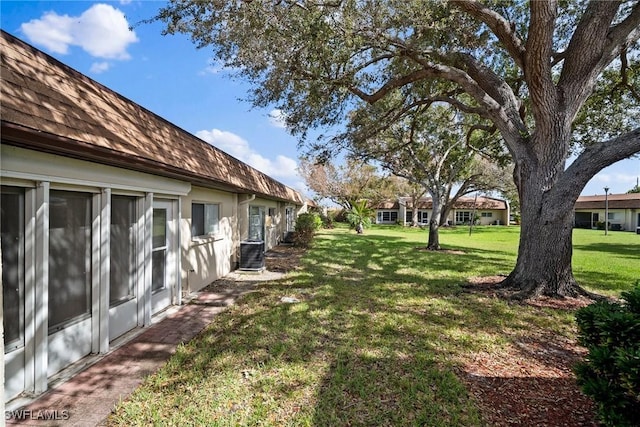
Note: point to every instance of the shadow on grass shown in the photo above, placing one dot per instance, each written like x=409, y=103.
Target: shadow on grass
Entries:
x=375, y=340
x=619, y=250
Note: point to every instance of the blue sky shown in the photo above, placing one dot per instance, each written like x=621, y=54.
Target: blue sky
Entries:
x=169, y=76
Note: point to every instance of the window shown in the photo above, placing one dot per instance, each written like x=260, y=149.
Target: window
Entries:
x=123, y=249
x=387, y=216
x=204, y=219
x=486, y=214
x=159, y=250
x=272, y=211
x=463, y=217
x=423, y=217
x=409, y=216
x=612, y=216
x=256, y=223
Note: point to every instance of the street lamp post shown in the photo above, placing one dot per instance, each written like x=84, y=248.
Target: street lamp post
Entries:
x=606, y=210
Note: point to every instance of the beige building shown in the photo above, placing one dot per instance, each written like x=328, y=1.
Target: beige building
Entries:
x=623, y=211
x=109, y=215
x=487, y=210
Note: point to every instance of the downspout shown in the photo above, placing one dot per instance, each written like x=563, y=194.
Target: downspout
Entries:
x=250, y=199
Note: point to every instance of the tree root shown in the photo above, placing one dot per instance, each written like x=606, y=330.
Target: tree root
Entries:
x=515, y=290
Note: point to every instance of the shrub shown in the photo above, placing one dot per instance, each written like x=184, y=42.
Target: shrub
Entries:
x=328, y=219
x=306, y=226
x=610, y=374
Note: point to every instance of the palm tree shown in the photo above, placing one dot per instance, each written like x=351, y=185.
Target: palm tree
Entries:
x=360, y=216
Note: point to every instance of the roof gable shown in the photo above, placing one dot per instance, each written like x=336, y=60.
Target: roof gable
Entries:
x=49, y=106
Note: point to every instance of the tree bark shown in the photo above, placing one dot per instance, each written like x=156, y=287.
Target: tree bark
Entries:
x=434, y=223
x=543, y=266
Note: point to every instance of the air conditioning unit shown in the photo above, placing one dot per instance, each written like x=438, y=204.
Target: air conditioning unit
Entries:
x=252, y=255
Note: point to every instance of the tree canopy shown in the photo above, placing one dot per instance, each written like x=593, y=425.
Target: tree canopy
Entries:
x=541, y=73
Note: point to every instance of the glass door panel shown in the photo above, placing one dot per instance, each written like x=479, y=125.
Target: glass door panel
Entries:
x=159, y=252
x=123, y=301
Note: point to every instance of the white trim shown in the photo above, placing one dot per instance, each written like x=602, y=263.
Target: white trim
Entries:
x=148, y=247
x=20, y=163
x=96, y=270
x=177, y=295
x=105, y=262
x=30, y=289
x=41, y=340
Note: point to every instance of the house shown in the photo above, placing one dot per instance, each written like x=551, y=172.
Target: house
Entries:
x=109, y=215
x=623, y=211
x=488, y=211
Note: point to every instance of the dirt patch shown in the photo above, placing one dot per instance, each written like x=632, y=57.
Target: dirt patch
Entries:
x=489, y=285
x=284, y=258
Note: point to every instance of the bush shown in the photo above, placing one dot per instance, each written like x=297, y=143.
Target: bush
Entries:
x=328, y=220
x=306, y=226
x=610, y=374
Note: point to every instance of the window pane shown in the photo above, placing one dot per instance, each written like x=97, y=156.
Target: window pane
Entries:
x=69, y=257
x=158, y=267
x=211, y=219
x=197, y=219
x=123, y=249
x=12, y=241
x=256, y=223
x=159, y=228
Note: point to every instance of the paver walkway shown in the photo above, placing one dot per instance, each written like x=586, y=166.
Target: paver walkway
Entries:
x=87, y=398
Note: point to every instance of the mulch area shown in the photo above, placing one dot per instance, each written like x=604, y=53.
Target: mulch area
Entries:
x=531, y=384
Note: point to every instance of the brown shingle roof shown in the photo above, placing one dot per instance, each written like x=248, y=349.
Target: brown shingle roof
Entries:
x=616, y=201
x=49, y=106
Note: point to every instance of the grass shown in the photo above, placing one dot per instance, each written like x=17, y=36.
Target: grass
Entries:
x=377, y=339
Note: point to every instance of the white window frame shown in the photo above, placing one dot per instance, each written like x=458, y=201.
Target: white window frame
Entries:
x=463, y=217
x=381, y=216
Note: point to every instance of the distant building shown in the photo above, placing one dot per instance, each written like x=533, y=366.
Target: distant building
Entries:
x=488, y=211
x=624, y=211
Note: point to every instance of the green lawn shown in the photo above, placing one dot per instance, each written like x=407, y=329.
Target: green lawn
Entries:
x=378, y=336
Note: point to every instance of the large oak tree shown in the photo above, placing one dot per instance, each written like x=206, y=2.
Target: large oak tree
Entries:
x=527, y=68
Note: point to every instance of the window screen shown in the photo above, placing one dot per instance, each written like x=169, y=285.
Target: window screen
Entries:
x=123, y=249
x=12, y=232
x=204, y=219
x=69, y=257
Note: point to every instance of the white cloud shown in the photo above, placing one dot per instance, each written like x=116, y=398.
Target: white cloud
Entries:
x=280, y=167
x=277, y=118
x=102, y=31
x=215, y=67
x=99, y=67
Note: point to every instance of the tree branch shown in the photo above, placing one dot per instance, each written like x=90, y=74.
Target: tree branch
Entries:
x=596, y=157
x=537, y=68
x=502, y=29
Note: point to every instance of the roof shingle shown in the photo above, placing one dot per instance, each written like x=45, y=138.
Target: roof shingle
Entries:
x=49, y=106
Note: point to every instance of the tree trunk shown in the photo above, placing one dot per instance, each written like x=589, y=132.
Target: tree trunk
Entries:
x=434, y=223
x=543, y=266
x=434, y=235
x=414, y=215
